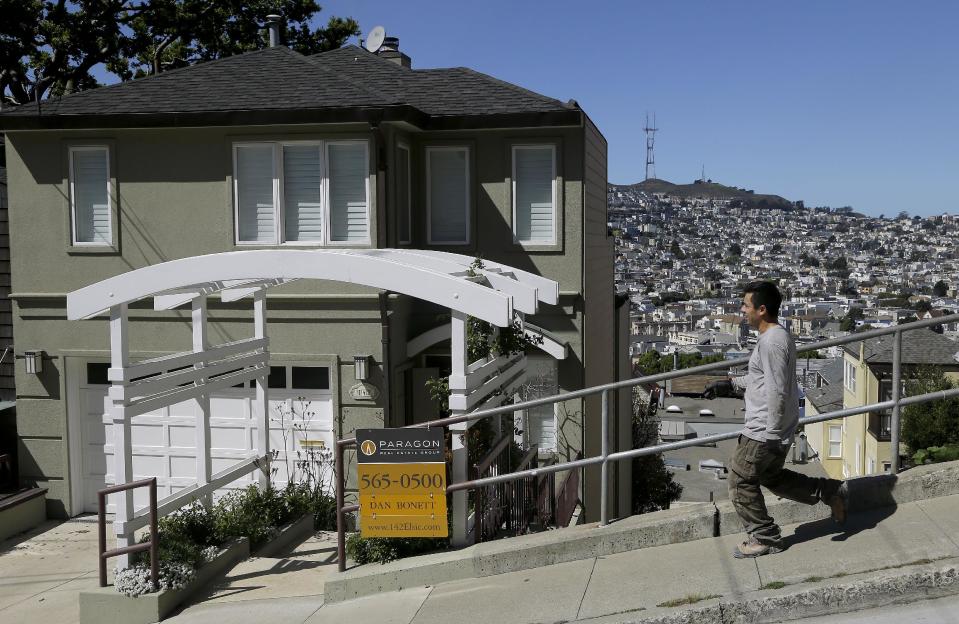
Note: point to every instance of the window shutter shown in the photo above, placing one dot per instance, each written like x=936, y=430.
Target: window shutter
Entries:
x=302, y=182
x=91, y=199
x=449, y=207
x=349, y=213
x=403, y=195
x=254, y=187
x=542, y=379
x=535, y=214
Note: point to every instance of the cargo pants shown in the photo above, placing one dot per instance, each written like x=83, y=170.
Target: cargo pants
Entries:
x=755, y=464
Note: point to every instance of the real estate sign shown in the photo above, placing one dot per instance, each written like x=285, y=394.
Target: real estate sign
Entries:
x=402, y=481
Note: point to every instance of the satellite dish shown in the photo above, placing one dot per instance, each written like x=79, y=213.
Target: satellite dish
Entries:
x=375, y=38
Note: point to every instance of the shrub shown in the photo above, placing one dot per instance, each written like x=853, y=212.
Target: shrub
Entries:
x=364, y=550
x=936, y=454
x=930, y=424
x=248, y=513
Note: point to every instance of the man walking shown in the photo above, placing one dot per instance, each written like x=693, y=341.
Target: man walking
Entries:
x=772, y=415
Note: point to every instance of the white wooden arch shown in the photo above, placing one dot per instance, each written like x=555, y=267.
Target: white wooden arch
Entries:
x=491, y=293
x=442, y=282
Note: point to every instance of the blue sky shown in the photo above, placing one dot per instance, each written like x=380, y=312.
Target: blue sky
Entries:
x=835, y=103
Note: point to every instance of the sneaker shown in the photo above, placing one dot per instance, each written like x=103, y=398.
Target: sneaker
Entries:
x=754, y=548
x=838, y=503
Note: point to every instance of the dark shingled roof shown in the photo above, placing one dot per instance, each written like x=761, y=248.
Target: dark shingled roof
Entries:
x=919, y=346
x=826, y=399
x=453, y=91
x=279, y=79
x=274, y=78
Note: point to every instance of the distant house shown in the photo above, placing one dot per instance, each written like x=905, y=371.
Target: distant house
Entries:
x=860, y=445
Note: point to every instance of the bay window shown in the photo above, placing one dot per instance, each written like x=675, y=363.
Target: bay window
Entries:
x=302, y=193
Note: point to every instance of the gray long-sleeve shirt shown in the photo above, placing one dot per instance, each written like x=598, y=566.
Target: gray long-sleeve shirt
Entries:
x=772, y=396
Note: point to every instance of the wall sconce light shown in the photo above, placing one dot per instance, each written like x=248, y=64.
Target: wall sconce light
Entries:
x=361, y=367
x=33, y=361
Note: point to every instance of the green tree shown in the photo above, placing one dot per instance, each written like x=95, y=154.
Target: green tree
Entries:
x=923, y=306
x=940, y=289
x=930, y=424
x=653, y=487
x=735, y=250
x=49, y=48
x=648, y=363
x=677, y=251
x=848, y=322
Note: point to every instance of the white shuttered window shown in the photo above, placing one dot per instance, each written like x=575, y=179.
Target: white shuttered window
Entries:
x=90, y=196
x=255, y=192
x=447, y=178
x=534, y=194
x=302, y=193
x=349, y=216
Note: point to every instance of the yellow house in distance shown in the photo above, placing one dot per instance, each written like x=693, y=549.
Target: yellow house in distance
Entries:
x=860, y=445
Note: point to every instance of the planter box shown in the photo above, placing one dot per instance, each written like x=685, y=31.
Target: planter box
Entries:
x=107, y=606
x=289, y=536
x=22, y=511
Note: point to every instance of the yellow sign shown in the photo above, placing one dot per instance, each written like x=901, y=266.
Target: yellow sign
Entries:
x=403, y=500
x=401, y=475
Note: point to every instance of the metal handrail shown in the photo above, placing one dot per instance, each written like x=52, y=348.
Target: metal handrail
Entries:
x=152, y=545
x=894, y=403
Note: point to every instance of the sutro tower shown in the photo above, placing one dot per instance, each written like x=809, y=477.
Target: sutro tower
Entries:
x=650, y=140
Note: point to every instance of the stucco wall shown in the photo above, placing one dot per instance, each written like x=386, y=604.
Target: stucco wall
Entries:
x=172, y=191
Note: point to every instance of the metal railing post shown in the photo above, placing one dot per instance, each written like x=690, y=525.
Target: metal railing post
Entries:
x=896, y=392
x=340, y=521
x=153, y=545
x=604, y=471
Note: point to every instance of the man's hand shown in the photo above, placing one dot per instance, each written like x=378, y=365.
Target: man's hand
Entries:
x=775, y=445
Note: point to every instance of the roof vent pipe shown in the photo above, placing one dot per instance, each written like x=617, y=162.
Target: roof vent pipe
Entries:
x=273, y=23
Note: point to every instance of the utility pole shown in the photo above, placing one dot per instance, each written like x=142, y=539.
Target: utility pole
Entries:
x=650, y=140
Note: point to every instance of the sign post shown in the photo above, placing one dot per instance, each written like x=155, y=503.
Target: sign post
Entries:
x=402, y=482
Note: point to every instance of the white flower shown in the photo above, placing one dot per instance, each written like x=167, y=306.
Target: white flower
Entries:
x=135, y=580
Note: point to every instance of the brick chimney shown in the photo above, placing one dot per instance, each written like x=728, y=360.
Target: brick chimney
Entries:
x=390, y=50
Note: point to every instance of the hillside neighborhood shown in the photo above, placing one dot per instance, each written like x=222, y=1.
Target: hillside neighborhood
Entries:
x=302, y=325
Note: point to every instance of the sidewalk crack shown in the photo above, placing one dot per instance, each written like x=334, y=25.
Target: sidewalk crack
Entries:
x=586, y=589
x=759, y=574
x=49, y=589
x=420, y=608
x=312, y=614
x=936, y=524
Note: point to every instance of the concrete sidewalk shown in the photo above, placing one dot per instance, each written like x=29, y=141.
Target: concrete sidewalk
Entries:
x=896, y=553
x=43, y=570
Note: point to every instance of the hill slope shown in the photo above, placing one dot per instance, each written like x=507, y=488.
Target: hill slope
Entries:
x=707, y=189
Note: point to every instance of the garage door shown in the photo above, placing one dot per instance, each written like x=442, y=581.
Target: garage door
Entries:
x=301, y=418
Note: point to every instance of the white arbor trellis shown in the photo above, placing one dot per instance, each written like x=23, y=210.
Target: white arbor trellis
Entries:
x=496, y=293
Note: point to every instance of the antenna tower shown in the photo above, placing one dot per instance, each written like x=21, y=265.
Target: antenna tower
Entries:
x=650, y=140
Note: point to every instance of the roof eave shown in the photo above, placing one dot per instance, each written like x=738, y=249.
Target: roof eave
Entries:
x=399, y=113
x=355, y=114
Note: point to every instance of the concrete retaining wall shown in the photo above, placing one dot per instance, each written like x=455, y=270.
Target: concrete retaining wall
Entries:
x=22, y=512
x=654, y=529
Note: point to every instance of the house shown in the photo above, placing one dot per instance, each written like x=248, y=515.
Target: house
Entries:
x=273, y=150
x=860, y=445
